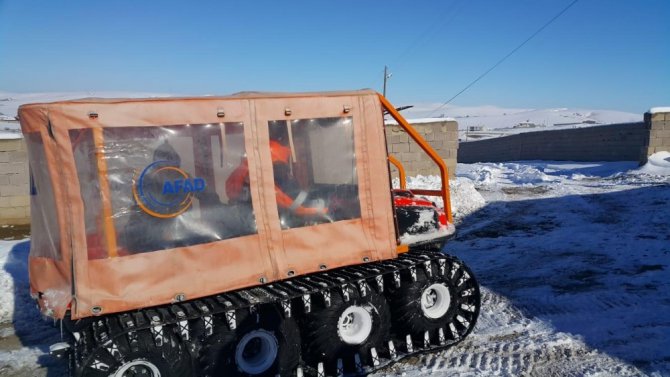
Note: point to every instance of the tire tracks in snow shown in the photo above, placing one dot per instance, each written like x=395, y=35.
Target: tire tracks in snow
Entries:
x=507, y=343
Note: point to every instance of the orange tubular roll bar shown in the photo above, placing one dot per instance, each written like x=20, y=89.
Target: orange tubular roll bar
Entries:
x=107, y=218
x=401, y=171
x=444, y=171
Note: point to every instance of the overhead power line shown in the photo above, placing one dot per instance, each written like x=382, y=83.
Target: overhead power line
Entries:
x=517, y=48
x=442, y=18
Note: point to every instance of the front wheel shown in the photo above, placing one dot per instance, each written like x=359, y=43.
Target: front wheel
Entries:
x=440, y=306
x=342, y=333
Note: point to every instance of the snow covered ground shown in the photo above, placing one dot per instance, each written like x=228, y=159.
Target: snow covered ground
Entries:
x=573, y=259
x=10, y=130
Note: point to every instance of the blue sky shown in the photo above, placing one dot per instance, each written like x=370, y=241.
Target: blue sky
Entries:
x=609, y=54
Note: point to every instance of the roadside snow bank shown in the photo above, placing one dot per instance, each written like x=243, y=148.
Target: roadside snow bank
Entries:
x=657, y=164
x=508, y=172
x=539, y=172
x=13, y=277
x=20, y=359
x=527, y=174
x=464, y=197
x=6, y=284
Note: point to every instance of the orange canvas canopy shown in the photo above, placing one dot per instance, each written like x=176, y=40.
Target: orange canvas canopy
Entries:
x=141, y=202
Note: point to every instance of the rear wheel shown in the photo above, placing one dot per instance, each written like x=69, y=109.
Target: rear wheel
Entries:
x=256, y=352
x=136, y=368
x=142, y=354
x=265, y=344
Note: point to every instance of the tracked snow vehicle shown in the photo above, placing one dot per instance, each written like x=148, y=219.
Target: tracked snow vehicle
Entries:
x=255, y=234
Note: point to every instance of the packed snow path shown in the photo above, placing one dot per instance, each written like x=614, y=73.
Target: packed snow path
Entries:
x=574, y=262
x=575, y=268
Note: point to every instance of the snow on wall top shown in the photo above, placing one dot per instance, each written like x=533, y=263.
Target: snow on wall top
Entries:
x=662, y=109
x=10, y=135
x=10, y=130
x=423, y=120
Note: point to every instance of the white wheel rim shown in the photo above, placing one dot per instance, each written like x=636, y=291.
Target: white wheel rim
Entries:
x=137, y=366
x=435, y=301
x=256, y=352
x=354, y=325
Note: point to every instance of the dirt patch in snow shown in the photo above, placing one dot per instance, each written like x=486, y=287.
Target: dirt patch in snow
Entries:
x=526, y=190
x=14, y=232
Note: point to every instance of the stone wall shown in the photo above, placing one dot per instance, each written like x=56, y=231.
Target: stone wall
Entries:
x=617, y=142
x=442, y=136
x=14, y=192
x=659, y=132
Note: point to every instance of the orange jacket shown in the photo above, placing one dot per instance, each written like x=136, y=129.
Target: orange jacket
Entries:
x=279, y=152
x=239, y=179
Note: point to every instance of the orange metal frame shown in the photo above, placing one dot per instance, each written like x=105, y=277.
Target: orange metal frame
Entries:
x=107, y=218
x=401, y=171
x=444, y=171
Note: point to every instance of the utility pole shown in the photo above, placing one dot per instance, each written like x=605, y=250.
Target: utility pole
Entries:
x=386, y=76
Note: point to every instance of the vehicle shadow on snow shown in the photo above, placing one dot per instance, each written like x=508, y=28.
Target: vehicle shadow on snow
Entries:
x=596, y=266
x=31, y=330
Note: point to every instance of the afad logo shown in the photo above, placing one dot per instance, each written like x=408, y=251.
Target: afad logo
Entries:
x=164, y=190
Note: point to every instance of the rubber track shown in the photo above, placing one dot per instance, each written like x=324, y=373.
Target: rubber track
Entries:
x=290, y=295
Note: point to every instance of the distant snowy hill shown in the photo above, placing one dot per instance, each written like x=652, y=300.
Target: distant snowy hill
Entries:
x=489, y=121
x=480, y=122
x=493, y=117
x=10, y=102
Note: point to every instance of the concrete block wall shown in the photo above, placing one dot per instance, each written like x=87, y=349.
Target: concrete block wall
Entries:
x=617, y=142
x=658, y=124
x=442, y=136
x=14, y=182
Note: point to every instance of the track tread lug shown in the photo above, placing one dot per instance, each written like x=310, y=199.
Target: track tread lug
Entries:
x=358, y=363
x=307, y=302
x=392, y=351
x=374, y=357
x=213, y=305
x=379, y=279
x=231, y=319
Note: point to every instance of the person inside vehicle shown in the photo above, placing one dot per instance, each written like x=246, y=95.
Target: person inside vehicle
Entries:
x=291, y=198
x=144, y=232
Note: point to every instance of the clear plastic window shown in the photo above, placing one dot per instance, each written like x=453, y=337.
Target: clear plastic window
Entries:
x=156, y=188
x=45, y=240
x=314, y=167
